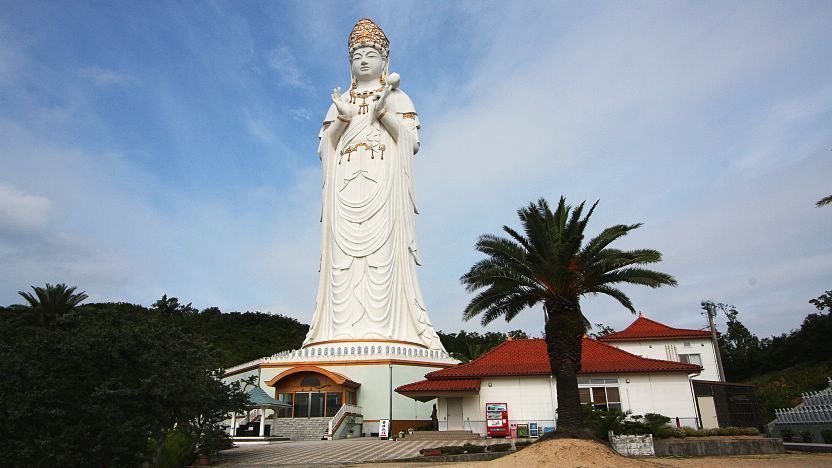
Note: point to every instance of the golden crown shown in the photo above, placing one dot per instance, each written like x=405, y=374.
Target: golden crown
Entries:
x=366, y=33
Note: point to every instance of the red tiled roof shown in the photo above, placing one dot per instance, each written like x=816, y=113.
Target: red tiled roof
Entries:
x=529, y=357
x=441, y=385
x=645, y=329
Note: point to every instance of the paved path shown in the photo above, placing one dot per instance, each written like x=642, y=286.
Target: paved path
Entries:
x=330, y=453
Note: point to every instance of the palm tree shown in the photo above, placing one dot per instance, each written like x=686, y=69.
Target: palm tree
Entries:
x=53, y=301
x=824, y=201
x=550, y=265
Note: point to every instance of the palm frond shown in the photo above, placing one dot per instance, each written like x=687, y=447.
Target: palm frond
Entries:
x=824, y=201
x=616, y=294
x=634, y=275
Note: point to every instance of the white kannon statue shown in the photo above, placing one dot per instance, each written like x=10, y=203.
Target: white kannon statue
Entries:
x=368, y=287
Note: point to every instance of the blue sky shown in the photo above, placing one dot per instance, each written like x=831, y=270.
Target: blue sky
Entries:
x=151, y=148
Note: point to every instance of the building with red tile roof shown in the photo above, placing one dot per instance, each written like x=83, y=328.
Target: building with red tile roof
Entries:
x=644, y=329
x=517, y=373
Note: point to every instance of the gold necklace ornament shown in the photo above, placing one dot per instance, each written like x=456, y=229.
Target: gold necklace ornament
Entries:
x=363, y=108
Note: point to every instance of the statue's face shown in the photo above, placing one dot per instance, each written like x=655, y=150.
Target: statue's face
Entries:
x=367, y=63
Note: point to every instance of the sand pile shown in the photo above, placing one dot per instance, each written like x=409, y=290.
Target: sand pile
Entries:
x=567, y=453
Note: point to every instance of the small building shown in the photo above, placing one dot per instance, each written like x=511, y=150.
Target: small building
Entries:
x=719, y=403
x=517, y=373
x=651, y=339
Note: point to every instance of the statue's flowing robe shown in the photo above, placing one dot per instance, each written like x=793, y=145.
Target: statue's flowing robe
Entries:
x=368, y=285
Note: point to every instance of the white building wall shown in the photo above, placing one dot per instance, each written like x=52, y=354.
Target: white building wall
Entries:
x=534, y=399
x=668, y=394
x=669, y=350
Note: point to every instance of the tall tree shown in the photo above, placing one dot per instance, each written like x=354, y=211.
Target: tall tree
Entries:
x=53, y=301
x=824, y=201
x=550, y=265
x=738, y=346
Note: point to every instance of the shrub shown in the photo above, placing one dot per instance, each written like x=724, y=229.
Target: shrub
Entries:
x=827, y=436
x=666, y=431
x=807, y=436
x=787, y=434
x=691, y=432
x=522, y=444
x=471, y=448
x=654, y=421
x=452, y=450
x=499, y=447
x=176, y=450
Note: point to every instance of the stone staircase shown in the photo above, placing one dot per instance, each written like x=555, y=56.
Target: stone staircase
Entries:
x=442, y=435
x=301, y=428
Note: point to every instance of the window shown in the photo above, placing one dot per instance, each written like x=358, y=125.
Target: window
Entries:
x=310, y=381
x=601, y=393
x=691, y=359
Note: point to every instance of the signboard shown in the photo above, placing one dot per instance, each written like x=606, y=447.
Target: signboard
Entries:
x=533, y=430
x=523, y=431
x=384, y=429
x=496, y=419
x=548, y=429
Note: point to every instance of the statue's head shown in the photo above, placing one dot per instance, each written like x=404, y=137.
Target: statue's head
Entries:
x=369, y=50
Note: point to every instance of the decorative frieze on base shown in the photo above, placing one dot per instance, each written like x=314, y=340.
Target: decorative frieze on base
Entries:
x=352, y=351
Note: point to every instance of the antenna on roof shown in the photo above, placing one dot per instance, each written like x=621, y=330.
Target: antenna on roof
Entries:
x=640, y=313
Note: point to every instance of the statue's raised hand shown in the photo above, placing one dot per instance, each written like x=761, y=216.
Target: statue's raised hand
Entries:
x=345, y=109
x=382, y=98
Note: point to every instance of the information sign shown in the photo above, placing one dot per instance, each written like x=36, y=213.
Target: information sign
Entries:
x=384, y=429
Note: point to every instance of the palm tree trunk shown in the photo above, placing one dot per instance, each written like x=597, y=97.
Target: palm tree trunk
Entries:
x=564, y=331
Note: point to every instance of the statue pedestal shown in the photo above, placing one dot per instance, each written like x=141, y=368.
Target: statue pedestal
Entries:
x=365, y=373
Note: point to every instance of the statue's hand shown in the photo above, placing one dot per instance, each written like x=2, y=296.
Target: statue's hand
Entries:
x=382, y=98
x=345, y=109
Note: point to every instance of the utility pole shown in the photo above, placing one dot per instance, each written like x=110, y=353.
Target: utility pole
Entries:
x=710, y=308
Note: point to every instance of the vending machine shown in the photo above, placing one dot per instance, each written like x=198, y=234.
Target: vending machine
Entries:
x=496, y=419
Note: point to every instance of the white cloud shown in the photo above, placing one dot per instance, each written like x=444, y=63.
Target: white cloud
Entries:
x=107, y=77
x=20, y=211
x=282, y=61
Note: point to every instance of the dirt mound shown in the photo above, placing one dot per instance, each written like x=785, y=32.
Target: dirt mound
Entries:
x=567, y=453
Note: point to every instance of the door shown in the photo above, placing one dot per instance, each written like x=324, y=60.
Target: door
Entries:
x=454, y=414
x=707, y=410
x=309, y=404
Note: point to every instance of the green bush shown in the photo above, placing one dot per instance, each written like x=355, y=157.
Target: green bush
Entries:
x=499, y=447
x=691, y=432
x=807, y=436
x=787, y=434
x=452, y=450
x=471, y=448
x=176, y=451
x=522, y=443
x=666, y=431
x=827, y=436
x=721, y=431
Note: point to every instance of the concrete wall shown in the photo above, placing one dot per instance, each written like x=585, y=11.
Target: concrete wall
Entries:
x=693, y=447
x=669, y=350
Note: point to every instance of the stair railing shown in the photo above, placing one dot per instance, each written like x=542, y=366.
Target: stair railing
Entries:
x=343, y=411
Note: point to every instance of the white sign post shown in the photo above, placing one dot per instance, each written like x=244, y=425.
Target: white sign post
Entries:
x=384, y=429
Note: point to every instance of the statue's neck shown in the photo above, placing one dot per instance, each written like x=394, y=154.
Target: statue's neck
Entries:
x=367, y=85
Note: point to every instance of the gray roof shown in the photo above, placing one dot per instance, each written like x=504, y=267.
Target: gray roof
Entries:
x=257, y=397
